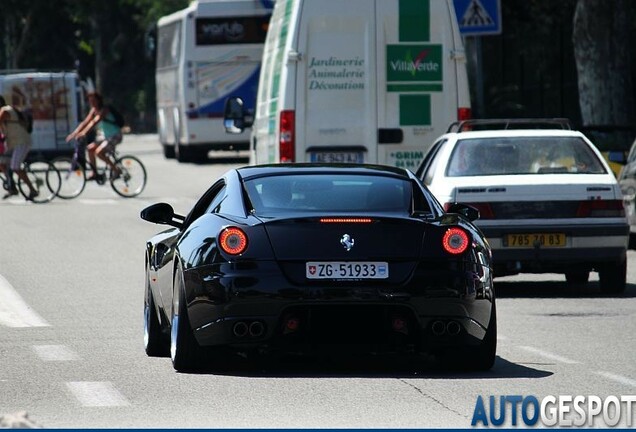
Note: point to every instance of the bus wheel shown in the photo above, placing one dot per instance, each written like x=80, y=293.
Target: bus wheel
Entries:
x=168, y=151
x=182, y=153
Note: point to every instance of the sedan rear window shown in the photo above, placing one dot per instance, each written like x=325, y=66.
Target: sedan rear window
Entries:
x=320, y=193
x=523, y=155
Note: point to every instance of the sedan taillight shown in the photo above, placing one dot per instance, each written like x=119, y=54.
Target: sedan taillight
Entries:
x=485, y=209
x=601, y=208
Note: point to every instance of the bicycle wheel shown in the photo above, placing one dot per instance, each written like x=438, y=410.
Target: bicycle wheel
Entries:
x=44, y=177
x=132, y=180
x=72, y=175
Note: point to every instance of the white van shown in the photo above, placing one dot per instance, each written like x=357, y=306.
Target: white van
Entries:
x=54, y=100
x=373, y=81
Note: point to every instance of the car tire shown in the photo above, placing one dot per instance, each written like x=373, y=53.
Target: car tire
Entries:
x=613, y=277
x=482, y=358
x=476, y=358
x=185, y=351
x=156, y=342
x=577, y=277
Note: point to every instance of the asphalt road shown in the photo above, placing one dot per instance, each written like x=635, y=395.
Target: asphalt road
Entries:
x=71, y=348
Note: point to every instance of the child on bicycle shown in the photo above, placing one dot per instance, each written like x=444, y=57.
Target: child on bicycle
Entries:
x=108, y=134
x=18, y=142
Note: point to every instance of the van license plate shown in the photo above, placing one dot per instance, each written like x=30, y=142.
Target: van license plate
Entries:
x=337, y=157
x=347, y=270
x=531, y=240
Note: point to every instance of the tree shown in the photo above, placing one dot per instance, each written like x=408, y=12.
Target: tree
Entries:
x=601, y=38
x=101, y=39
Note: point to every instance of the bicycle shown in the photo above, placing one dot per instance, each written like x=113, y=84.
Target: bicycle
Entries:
x=76, y=171
x=40, y=173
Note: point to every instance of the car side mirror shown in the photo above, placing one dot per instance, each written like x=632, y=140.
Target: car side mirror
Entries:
x=469, y=212
x=235, y=117
x=162, y=213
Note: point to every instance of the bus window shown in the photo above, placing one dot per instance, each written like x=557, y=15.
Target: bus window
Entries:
x=169, y=42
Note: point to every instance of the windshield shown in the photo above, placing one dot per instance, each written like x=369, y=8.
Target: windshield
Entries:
x=523, y=155
x=321, y=193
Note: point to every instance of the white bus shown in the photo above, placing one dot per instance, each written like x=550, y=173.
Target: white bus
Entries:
x=205, y=52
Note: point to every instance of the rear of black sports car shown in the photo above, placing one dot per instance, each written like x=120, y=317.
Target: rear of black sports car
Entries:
x=378, y=281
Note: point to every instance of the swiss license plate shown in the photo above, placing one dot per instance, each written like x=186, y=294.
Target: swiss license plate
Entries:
x=337, y=157
x=347, y=270
x=532, y=240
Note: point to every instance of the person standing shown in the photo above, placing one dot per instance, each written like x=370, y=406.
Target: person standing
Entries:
x=18, y=141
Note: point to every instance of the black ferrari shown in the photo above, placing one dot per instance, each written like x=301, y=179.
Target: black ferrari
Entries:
x=304, y=257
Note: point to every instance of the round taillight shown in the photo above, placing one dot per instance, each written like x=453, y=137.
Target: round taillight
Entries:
x=233, y=241
x=455, y=241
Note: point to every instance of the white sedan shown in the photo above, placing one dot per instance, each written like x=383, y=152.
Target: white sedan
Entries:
x=548, y=201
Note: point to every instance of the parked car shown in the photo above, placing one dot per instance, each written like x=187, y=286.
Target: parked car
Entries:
x=547, y=199
x=627, y=180
x=299, y=256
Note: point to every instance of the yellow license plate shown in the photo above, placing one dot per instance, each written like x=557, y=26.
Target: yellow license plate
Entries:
x=533, y=240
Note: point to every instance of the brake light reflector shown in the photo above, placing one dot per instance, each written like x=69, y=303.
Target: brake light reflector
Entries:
x=464, y=114
x=345, y=220
x=233, y=240
x=455, y=241
x=287, y=138
x=601, y=208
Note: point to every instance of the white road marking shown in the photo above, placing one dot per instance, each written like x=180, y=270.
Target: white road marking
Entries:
x=14, y=312
x=55, y=353
x=93, y=201
x=96, y=393
x=618, y=378
x=549, y=355
x=22, y=202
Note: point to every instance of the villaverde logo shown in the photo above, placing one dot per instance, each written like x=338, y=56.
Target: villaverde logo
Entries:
x=414, y=63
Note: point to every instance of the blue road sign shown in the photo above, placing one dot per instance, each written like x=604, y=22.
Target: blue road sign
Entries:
x=269, y=4
x=478, y=17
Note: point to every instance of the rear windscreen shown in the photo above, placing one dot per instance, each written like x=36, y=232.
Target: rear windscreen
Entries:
x=329, y=193
x=523, y=155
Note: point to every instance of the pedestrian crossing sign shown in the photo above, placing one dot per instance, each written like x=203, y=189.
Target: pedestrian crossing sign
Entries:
x=478, y=17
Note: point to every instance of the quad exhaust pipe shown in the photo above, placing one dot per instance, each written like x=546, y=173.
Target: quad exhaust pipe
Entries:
x=450, y=328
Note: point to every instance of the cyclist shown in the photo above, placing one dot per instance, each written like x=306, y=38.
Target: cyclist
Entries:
x=107, y=136
x=18, y=141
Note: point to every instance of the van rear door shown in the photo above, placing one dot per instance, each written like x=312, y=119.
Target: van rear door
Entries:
x=421, y=75
x=336, y=88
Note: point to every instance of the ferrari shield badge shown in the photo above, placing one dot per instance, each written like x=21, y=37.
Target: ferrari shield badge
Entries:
x=347, y=242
